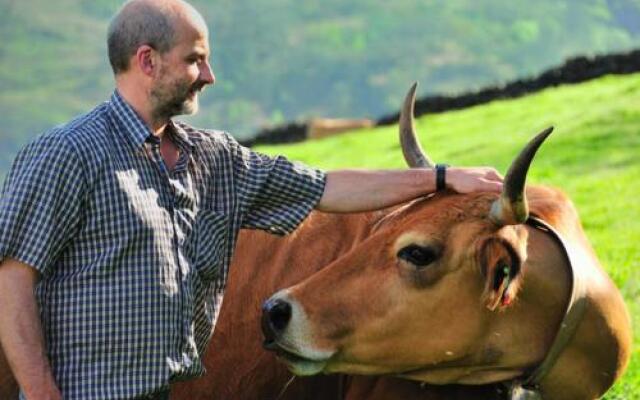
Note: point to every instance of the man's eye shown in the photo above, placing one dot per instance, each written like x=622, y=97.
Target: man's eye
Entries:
x=418, y=255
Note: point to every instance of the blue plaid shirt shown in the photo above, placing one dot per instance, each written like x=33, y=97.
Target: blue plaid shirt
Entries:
x=133, y=257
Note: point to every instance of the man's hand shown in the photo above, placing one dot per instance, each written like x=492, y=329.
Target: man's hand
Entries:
x=21, y=331
x=477, y=179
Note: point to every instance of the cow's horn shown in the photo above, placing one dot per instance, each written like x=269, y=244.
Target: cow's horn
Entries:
x=511, y=208
x=413, y=153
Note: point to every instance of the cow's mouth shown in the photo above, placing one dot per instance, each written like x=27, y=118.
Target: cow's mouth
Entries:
x=296, y=363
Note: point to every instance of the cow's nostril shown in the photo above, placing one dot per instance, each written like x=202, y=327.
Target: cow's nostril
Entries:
x=275, y=317
x=279, y=315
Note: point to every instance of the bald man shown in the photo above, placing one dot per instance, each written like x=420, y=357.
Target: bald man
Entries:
x=116, y=229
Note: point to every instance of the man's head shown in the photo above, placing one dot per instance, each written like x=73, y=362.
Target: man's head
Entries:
x=161, y=46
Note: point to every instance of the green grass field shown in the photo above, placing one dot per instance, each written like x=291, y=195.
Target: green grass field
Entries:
x=593, y=156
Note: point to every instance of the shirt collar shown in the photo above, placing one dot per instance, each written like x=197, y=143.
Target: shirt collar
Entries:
x=135, y=129
x=181, y=136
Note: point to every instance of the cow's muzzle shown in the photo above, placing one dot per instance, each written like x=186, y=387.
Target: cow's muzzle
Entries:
x=287, y=334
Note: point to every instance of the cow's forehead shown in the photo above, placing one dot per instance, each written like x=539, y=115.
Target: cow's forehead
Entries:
x=439, y=212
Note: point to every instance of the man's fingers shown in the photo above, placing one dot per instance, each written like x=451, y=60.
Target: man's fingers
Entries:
x=478, y=179
x=492, y=186
x=493, y=175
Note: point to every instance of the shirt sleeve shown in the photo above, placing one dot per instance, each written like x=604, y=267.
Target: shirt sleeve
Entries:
x=275, y=194
x=40, y=203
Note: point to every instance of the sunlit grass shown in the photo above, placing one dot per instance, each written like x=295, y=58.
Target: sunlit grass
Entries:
x=593, y=155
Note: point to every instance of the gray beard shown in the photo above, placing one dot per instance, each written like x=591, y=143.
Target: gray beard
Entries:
x=165, y=105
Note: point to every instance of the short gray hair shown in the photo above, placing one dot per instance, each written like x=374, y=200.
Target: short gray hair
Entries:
x=136, y=25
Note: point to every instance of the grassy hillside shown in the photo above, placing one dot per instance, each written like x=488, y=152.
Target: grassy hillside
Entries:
x=285, y=59
x=593, y=155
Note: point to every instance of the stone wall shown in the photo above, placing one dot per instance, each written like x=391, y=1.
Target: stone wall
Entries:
x=575, y=70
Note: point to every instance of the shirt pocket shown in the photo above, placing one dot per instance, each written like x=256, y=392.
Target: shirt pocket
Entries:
x=211, y=239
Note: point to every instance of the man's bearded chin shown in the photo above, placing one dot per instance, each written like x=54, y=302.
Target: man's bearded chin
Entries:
x=180, y=99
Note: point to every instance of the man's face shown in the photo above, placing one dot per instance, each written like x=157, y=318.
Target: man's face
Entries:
x=182, y=73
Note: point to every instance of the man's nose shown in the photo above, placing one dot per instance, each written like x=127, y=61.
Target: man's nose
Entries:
x=206, y=73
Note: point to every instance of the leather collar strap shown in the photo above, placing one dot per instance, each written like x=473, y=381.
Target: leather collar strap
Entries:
x=528, y=387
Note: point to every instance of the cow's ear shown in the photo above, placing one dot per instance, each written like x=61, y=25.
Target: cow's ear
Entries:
x=500, y=265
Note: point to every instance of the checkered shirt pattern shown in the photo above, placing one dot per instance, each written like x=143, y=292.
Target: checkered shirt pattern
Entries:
x=134, y=258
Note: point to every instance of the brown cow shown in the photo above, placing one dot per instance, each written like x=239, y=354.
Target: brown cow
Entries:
x=456, y=289
x=322, y=127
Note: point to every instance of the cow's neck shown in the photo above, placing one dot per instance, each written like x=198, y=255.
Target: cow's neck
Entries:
x=562, y=374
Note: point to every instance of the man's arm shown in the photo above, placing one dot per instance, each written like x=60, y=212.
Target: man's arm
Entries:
x=21, y=332
x=355, y=191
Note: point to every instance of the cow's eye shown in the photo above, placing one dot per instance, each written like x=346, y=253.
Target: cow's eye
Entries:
x=418, y=255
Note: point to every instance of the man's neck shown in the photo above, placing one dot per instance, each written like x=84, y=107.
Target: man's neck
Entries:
x=137, y=98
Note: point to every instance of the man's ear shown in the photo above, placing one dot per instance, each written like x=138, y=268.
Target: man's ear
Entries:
x=147, y=59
